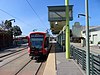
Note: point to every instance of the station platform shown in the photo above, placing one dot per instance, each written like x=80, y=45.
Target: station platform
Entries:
x=57, y=64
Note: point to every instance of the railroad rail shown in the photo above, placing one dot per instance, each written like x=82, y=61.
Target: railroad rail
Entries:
x=21, y=64
x=12, y=53
x=6, y=56
x=13, y=59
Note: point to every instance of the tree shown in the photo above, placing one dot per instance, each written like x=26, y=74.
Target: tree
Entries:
x=16, y=31
x=2, y=26
x=8, y=24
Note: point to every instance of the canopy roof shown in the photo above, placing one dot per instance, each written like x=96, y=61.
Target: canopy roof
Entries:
x=57, y=17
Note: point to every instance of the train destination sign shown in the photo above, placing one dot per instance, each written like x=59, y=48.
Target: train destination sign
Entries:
x=36, y=35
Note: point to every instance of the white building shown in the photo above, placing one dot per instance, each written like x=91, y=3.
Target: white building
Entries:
x=94, y=35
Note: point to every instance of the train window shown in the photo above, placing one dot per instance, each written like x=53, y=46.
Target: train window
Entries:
x=37, y=42
x=36, y=39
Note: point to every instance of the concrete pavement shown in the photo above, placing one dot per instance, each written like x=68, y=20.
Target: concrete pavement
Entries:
x=57, y=64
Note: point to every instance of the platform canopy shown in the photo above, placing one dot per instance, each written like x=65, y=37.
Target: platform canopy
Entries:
x=57, y=17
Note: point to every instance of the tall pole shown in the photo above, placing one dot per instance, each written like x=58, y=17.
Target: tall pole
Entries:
x=87, y=40
x=67, y=30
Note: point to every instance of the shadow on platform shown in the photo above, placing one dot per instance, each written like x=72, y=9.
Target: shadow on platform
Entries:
x=56, y=48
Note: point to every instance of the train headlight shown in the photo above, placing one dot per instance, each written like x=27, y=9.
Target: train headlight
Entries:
x=45, y=48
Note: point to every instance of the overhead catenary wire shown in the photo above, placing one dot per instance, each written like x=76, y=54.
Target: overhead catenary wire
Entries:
x=14, y=17
x=22, y=20
x=36, y=13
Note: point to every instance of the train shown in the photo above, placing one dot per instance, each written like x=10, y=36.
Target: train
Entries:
x=38, y=44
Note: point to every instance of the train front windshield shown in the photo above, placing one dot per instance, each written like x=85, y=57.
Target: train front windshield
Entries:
x=37, y=41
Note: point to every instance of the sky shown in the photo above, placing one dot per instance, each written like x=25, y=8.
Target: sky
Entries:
x=28, y=20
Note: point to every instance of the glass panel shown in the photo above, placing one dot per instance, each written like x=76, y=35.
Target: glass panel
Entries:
x=37, y=42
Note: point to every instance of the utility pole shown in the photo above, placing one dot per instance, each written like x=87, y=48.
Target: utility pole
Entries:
x=87, y=39
x=67, y=30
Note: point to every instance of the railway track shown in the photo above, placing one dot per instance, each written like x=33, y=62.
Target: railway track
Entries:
x=12, y=52
x=21, y=65
x=4, y=57
x=40, y=69
x=35, y=69
x=9, y=61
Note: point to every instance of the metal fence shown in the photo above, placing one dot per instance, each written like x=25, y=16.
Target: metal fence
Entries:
x=80, y=56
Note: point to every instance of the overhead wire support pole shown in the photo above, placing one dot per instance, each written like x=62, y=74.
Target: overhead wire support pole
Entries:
x=87, y=39
x=67, y=30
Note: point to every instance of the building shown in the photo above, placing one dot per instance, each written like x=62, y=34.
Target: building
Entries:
x=94, y=35
x=79, y=32
x=76, y=31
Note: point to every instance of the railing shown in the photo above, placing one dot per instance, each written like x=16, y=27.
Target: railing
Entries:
x=80, y=56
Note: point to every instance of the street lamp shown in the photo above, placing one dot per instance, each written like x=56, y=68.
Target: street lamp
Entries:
x=82, y=15
x=87, y=42
x=8, y=23
x=11, y=28
x=87, y=38
x=12, y=20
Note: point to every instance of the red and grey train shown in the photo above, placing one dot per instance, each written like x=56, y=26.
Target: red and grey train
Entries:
x=38, y=44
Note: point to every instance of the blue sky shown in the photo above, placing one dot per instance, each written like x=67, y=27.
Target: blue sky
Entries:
x=28, y=20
